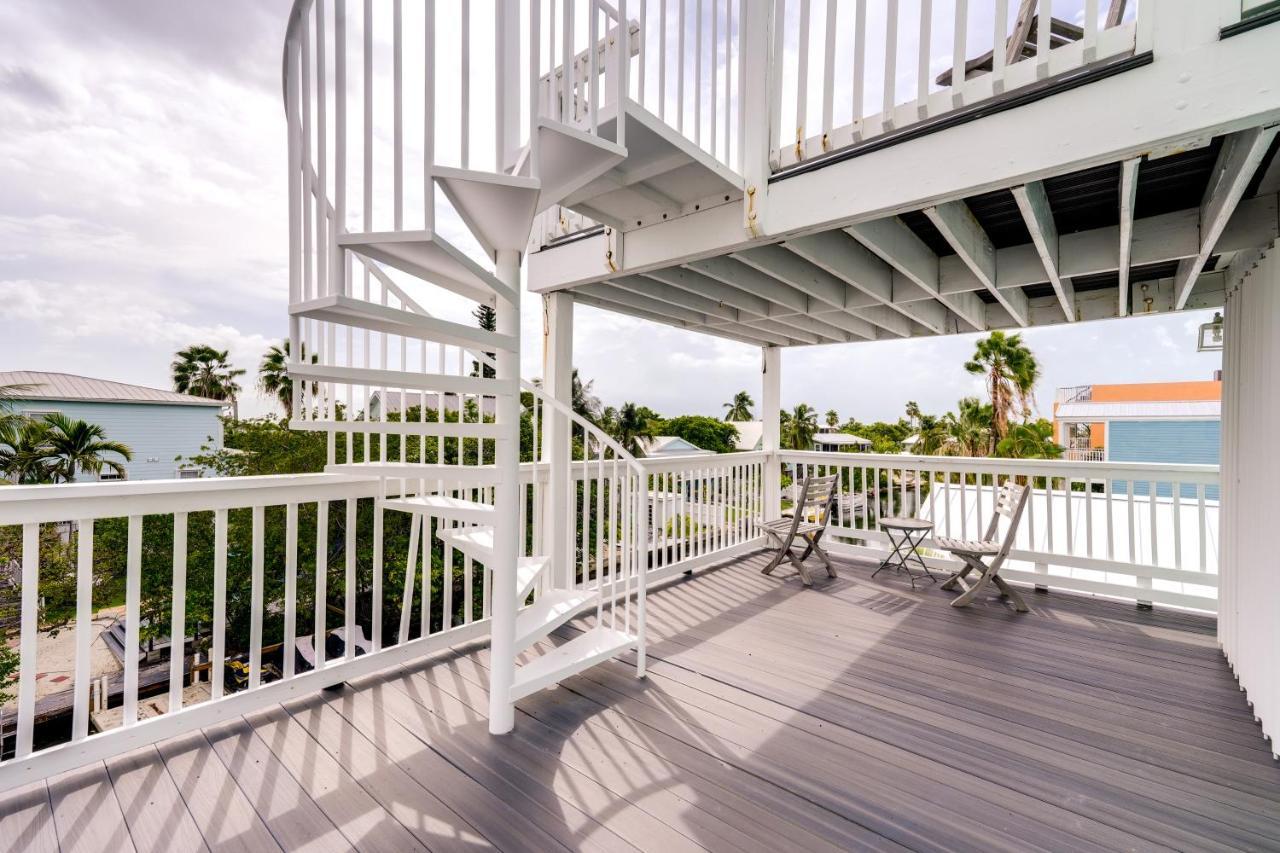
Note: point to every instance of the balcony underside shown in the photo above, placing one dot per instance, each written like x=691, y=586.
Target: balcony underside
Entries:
x=1144, y=235
x=852, y=715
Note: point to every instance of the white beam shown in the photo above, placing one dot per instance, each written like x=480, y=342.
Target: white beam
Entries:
x=897, y=245
x=1128, y=198
x=627, y=299
x=1237, y=161
x=644, y=286
x=696, y=282
x=843, y=256
x=751, y=280
x=734, y=333
x=786, y=267
x=957, y=225
x=1033, y=202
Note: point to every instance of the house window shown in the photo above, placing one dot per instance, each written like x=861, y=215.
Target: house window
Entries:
x=110, y=475
x=189, y=473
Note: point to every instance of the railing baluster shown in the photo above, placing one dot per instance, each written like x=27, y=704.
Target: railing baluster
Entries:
x=1044, y=33
x=662, y=58
x=178, y=617
x=464, y=58
x=697, y=74
x=218, y=660
x=859, y=65
x=133, y=617
x=960, y=33
x=1177, y=524
x=29, y=637
x=802, y=76
x=84, y=627
x=890, y=64
x=256, y=599
x=684, y=25
x=923, y=56
x=349, y=603
x=321, y=629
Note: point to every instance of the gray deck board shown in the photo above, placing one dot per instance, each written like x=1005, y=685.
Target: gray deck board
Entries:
x=857, y=714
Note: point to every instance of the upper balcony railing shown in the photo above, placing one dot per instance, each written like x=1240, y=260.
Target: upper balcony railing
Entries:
x=856, y=71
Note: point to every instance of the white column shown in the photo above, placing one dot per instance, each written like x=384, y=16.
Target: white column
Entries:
x=502, y=574
x=557, y=376
x=770, y=410
x=760, y=101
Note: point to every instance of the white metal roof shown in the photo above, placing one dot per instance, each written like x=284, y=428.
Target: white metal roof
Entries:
x=835, y=439
x=67, y=386
x=1140, y=411
x=672, y=445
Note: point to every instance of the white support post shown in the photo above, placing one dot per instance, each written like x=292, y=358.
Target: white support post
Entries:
x=557, y=373
x=770, y=411
x=502, y=573
x=759, y=101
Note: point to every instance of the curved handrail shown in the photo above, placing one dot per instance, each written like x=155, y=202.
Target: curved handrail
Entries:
x=587, y=426
x=296, y=14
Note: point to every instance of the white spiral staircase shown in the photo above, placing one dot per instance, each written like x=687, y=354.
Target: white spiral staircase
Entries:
x=366, y=350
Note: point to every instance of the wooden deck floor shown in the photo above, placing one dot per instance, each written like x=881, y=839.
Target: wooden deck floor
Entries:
x=855, y=715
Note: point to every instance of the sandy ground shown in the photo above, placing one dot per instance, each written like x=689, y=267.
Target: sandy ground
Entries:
x=56, y=656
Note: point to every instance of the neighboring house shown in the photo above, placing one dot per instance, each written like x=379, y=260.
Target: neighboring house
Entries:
x=833, y=441
x=672, y=445
x=159, y=426
x=1144, y=422
x=750, y=436
x=1167, y=422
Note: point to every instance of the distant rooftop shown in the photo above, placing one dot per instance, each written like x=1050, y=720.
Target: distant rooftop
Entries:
x=67, y=386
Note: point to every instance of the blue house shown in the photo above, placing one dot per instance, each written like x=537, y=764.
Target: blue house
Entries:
x=159, y=426
x=1163, y=431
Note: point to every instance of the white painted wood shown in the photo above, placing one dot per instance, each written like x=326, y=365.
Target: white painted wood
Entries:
x=256, y=598
x=890, y=65
x=582, y=652
x=1033, y=203
x=1128, y=198
x=178, y=616
x=28, y=639
x=770, y=412
x=1237, y=161
x=133, y=618
x=84, y=627
x=958, y=226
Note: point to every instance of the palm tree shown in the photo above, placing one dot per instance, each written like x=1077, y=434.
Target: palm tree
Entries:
x=1011, y=372
x=802, y=426
x=1030, y=441
x=8, y=395
x=76, y=445
x=833, y=418
x=740, y=408
x=203, y=371
x=632, y=429
x=968, y=430
x=913, y=413
x=585, y=404
x=273, y=375
x=24, y=452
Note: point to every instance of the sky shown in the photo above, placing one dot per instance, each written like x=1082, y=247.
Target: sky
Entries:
x=143, y=208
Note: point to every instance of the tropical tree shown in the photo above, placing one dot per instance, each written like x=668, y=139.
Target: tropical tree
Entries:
x=633, y=428
x=1030, y=441
x=832, y=418
x=1011, y=372
x=203, y=371
x=968, y=430
x=801, y=427
x=913, y=413
x=487, y=319
x=76, y=445
x=585, y=403
x=273, y=375
x=740, y=408
x=8, y=396
x=707, y=433
x=24, y=453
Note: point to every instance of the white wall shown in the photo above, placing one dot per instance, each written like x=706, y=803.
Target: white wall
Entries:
x=1249, y=610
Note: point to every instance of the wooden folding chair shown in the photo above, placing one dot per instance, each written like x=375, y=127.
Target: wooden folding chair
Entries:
x=815, y=493
x=986, y=555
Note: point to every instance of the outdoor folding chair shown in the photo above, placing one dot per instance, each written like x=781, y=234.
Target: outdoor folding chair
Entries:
x=985, y=556
x=816, y=493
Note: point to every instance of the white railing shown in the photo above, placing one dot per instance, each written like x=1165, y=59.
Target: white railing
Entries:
x=1142, y=532
x=856, y=70
x=271, y=557
x=704, y=508
x=1084, y=454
